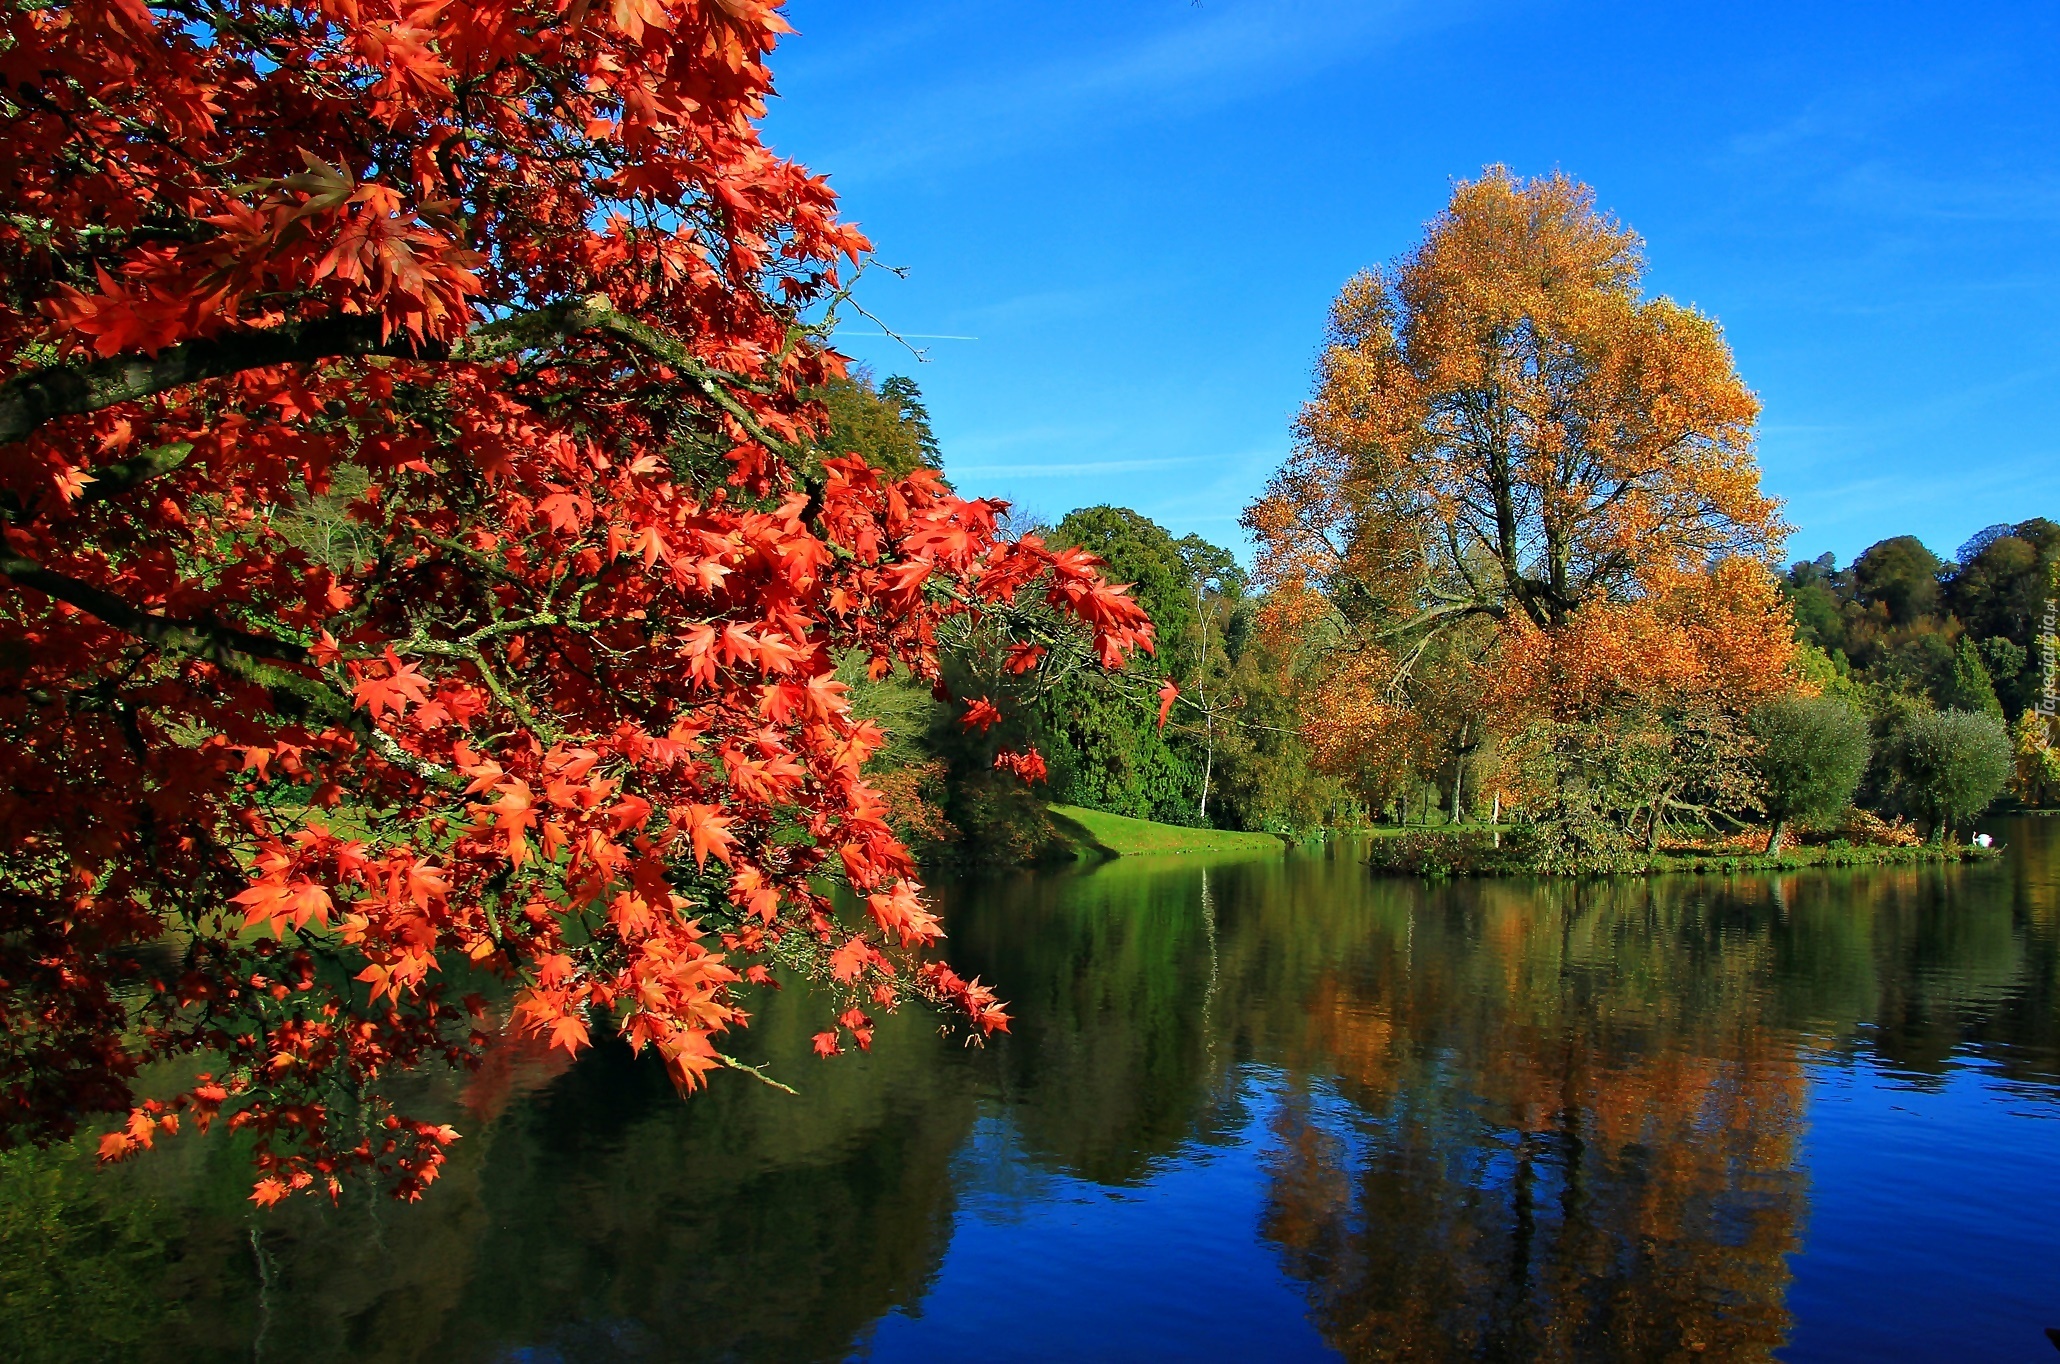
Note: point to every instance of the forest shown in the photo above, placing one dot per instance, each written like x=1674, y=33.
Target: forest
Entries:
x=1893, y=650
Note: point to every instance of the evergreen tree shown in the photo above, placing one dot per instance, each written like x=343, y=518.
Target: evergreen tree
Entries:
x=1967, y=686
x=886, y=423
x=901, y=391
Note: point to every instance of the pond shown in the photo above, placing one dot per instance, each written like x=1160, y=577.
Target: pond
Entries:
x=1273, y=1108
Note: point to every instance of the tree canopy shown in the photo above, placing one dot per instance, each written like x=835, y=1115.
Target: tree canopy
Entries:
x=1524, y=493
x=1502, y=424
x=1901, y=575
x=1813, y=752
x=547, y=732
x=1956, y=762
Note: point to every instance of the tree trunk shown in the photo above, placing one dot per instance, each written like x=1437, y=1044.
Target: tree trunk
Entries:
x=1774, y=838
x=1458, y=777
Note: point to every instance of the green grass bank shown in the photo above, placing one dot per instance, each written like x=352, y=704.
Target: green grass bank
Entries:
x=1098, y=834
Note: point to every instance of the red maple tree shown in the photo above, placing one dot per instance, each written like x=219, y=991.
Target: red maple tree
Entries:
x=415, y=573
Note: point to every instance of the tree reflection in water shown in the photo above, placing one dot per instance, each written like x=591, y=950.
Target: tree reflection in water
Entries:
x=1489, y=1121
x=1563, y=1137
x=1513, y=1120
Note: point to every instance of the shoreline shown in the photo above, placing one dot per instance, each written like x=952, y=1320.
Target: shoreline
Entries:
x=1449, y=856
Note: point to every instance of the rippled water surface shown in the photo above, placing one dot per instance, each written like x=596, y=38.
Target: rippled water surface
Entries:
x=1272, y=1109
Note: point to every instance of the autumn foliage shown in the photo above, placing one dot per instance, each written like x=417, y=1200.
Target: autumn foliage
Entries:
x=1523, y=495
x=415, y=619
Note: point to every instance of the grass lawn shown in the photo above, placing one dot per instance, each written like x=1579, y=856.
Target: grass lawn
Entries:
x=1118, y=836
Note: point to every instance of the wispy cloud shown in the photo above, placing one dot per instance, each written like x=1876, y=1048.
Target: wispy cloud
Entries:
x=1200, y=58
x=1850, y=142
x=1076, y=470
x=1880, y=187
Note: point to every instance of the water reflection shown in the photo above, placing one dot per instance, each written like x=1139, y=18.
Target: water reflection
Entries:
x=1249, y=1107
x=1570, y=1134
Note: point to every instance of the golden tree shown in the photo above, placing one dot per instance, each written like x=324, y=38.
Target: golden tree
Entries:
x=1511, y=454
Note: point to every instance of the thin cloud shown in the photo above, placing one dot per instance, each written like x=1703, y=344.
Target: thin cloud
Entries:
x=1100, y=466
x=1204, y=59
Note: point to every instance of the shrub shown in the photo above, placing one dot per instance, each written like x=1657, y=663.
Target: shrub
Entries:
x=1955, y=762
x=1813, y=751
x=1438, y=853
x=1864, y=828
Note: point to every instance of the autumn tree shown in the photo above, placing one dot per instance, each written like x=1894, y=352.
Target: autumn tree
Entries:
x=1509, y=443
x=546, y=735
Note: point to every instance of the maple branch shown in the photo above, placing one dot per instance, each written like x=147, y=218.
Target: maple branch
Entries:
x=207, y=640
x=238, y=652
x=468, y=651
x=29, y=400
x=295, y=695
x=116, y=479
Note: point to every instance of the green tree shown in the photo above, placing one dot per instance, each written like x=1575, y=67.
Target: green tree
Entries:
x=901, y=390
x=2001, y=588
x=886, y=423
x=2006, y=661
x=1956, y=762
x=1900, y=574
x=1813, y=751
x=1817, y=593
x=1967, y=685
x=1103, y=742
x=1921, y=662
x=1160, y=569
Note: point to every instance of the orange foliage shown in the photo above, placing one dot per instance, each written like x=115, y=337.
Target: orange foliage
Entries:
x=1522, y=491
x=1719, y=639
x=1502, y=423
x=510, y=303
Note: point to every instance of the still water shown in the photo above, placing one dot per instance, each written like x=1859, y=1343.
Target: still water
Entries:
x=1261, y=1109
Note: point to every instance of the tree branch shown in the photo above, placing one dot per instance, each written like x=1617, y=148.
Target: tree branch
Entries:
x=115, y=479
x=29, y=400
x=755, y=1072
x=238, y=652
x=198, y=638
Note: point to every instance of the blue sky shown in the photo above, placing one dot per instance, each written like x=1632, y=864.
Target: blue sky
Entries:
x=1142, y=208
